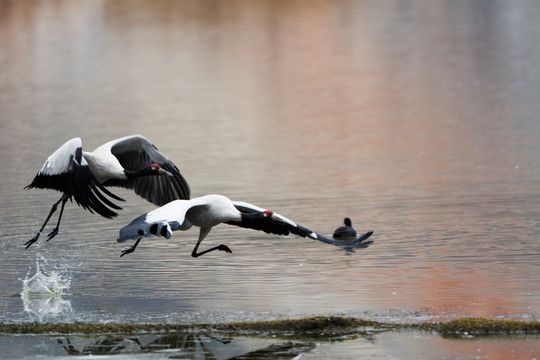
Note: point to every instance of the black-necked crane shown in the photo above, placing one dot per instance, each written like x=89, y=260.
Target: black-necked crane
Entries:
x=131, y=162
x=208, y=211
x=346, y=231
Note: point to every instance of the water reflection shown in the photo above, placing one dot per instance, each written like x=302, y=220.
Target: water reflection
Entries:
x=188, y=346
x=399, y=345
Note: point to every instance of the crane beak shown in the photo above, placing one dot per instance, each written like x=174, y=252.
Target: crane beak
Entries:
x=161, y=171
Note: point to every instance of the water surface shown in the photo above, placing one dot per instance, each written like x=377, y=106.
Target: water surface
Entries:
x=418, y=120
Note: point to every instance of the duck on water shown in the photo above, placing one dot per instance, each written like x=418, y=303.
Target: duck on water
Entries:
x=345, y=232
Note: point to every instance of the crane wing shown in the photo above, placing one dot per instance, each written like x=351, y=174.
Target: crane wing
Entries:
x=161, y=221
x=58, y=166
x=67, y=171
x=136, y=152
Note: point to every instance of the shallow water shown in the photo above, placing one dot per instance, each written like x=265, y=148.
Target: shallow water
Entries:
x=418, y=121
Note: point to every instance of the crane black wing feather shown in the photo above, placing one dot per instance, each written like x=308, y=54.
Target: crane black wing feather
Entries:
x=136, y=152
x=86, y=189
x=66, y=171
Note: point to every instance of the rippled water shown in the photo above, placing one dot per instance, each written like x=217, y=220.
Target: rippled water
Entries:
x=417, y=120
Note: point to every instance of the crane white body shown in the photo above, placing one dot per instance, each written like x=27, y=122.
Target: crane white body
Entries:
x=104, y=165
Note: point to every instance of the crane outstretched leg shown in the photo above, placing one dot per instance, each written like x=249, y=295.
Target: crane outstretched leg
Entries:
x=54, y=232
x=53, y=209
x=132, y=248
x=202, y=235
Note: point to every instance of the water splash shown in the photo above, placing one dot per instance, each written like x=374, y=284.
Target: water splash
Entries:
x=43, y=294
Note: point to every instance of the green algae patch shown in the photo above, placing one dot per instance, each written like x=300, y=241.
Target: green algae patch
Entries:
x=309, y=327
x=312, y=327
x=482, y=327
x=88, y=328
x=316, y=323
x=317, y=326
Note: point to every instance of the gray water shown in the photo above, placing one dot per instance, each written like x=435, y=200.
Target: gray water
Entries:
x=417, y=119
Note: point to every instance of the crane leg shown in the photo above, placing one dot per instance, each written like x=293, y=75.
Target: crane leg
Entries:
x=54, y=232
x=132, y=248
x=202, y=235
x=53, y=209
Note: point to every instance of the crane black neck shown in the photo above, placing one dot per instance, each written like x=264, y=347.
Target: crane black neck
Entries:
x=141, y=172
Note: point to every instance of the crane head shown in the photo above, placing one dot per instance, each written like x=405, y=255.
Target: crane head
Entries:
x=159, y=170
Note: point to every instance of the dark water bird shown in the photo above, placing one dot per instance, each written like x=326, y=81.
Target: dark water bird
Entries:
x=345, y=232
x=132, y=162
x=210, y=210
